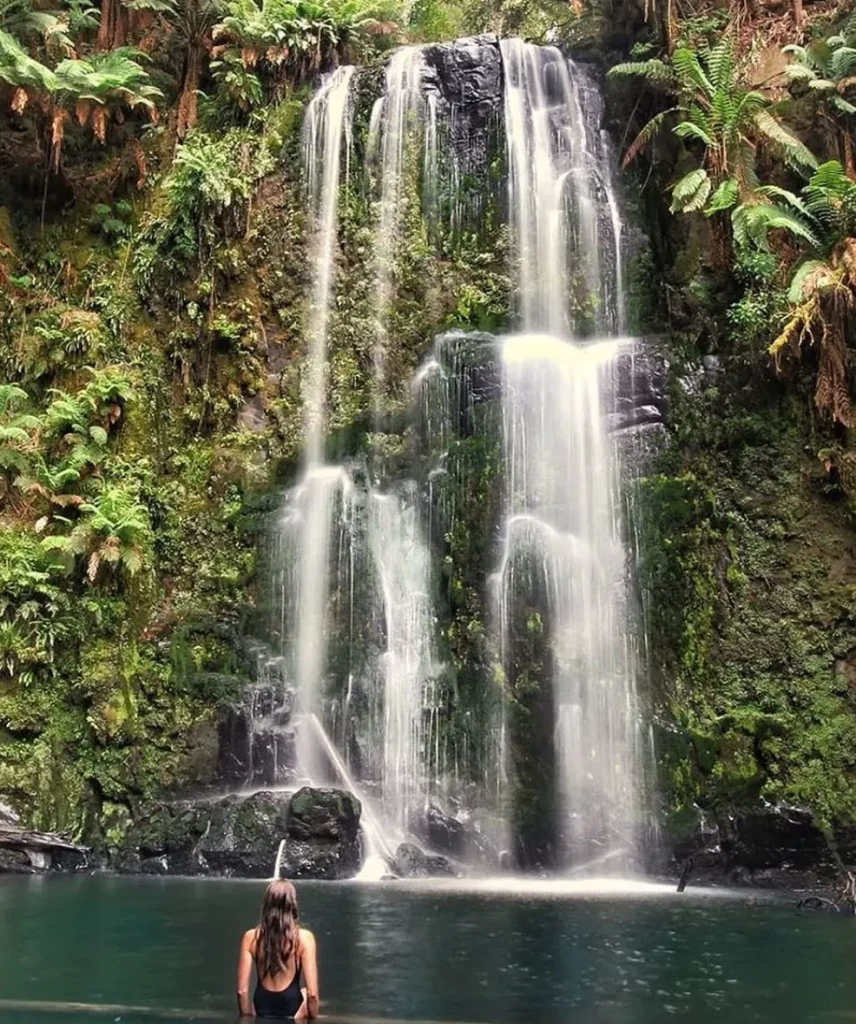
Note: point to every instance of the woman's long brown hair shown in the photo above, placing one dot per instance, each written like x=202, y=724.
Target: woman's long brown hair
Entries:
x=278, y=938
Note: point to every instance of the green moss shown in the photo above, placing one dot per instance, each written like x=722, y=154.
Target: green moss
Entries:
x=745, y=566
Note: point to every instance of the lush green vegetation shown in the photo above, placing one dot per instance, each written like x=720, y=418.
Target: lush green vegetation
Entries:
x=745, y=556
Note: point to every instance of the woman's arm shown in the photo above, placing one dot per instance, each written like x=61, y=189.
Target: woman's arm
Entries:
x=245, y=970
x=309, y=970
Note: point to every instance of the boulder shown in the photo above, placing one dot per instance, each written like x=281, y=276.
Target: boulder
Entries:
x=322, y=835
x=769, y=846
x=240, y=836
x=236, y=836
x=459, y=837
x=411, y=862
x=15, y=862
x=244, y=835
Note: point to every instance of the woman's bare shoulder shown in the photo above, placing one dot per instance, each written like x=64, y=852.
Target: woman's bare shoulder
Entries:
x=249, y=938
x=306, y=937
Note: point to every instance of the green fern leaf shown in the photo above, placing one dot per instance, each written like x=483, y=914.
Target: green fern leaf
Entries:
x=688, y=130
x=723, y=198
x=691, y=192
x=646, y=135
x=795, y=289
x=776, y=132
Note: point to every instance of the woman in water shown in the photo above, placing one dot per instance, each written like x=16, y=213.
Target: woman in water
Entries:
x=283, y=955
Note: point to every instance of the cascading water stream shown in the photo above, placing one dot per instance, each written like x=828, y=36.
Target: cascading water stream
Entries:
x=335, y=526
x=402, y=562
x=320, y=500
x=402, y=105
x=562, y=551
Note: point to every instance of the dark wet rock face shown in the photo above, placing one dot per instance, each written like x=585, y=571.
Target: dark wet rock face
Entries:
x=446, y=834
x=240, y=836
x=468, y=73
x=465, y=80
x=784, y=837
x=772, y=847
x=256, y=735
x=411, y=862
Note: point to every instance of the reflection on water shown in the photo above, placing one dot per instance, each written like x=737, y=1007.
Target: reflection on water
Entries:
x=497, y=950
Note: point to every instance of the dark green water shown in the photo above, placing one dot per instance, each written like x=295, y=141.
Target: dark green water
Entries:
x=427, y=953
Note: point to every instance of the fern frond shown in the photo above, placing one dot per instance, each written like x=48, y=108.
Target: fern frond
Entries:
x=723, y=198
x=689, y=130
x=691, y=192
x=645, y=136
x=799, y=73
x=795, y=289
x=690, y=71
x=841, y=105
x=720, y=65
x=843, y=62
x=753, y=223
x=776, y=132
x=774, y=192
x=655, y=71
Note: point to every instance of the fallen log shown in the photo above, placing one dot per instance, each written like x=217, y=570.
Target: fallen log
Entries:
x=15, y=837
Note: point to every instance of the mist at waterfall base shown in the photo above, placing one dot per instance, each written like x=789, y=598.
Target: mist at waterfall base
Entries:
x=358, y=690
x=402, y=951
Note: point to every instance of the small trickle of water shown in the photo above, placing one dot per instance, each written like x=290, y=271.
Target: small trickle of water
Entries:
x=402, y=109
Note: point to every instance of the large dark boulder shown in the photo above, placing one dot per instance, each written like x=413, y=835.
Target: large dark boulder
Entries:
x=236, y=836
x=770, y=846
x=322, y=835
x=240, y=836
x=244, y=835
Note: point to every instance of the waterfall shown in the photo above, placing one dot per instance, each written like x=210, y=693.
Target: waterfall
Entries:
x=505, y=459
x=351, y=561
x=561, y=572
